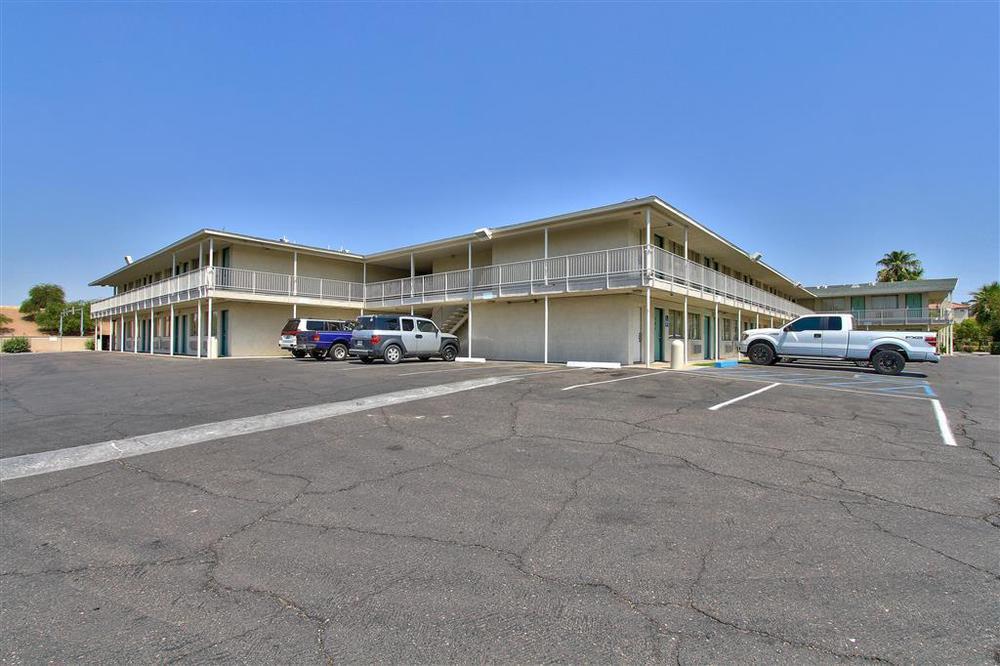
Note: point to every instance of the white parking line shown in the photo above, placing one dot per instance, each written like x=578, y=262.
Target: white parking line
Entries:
x=742, y=397
x=611, y=381
x=79, y=456
x=942, y=421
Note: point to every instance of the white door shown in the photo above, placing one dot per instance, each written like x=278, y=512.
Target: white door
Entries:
x=428, y=337
x=803, y=337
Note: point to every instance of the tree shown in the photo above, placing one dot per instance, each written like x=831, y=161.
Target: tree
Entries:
x=4, y=320
x=970, y=333
x=985, y=307
x=899, y=265
x=48, y=319
x=42, y=297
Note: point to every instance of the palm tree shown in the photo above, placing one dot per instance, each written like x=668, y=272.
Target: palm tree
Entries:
x=899, y=265
x=985, y=305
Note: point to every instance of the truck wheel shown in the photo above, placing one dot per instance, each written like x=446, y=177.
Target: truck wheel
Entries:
x=298, y=353
x=760, y=353
x=338, y=352
x=392, y=354
x=449, y=353
x=888, y=362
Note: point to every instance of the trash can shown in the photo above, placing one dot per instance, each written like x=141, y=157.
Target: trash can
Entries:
x=677, y=354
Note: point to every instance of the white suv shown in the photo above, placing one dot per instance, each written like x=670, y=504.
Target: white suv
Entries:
x=291, y=329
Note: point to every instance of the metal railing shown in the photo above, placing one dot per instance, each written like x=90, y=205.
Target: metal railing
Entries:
x=588, y=271
x=708, y=283
x=184, y=287
x=282, y=284
x=901, y=316
x=617, y=268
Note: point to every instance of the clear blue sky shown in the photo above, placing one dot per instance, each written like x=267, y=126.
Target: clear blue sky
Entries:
x=822, y=135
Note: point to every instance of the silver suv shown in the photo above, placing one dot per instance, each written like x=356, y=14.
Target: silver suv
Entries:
x=395, y=337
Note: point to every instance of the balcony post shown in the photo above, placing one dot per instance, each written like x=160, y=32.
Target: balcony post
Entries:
x=545, y=344
x=208, y=346
x=121, y=334
x=172, y=334
x=687, y=283
x=364, y=286
x=469, y=346
x=648, y=273
x=716, y=322
x=413, y=277
x=135, y=331
x=152, y=330
x=198, y=351
x=685, y=327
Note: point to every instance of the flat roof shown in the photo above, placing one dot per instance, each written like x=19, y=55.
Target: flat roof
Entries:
x=876, y=288
x=474, y=236
x=203, y=234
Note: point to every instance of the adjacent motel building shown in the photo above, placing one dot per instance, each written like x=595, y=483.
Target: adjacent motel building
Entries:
x=609, y=284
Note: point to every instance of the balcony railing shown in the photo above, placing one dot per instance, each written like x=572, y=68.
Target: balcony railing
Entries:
x=184, y=287
x=895, y=316
x=604, y=269
x=618, y=268
x=676, y=270
x=282, y=284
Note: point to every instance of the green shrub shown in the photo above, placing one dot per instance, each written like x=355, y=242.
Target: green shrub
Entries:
x=89, y=344
x=16, y=345
x=995, y=348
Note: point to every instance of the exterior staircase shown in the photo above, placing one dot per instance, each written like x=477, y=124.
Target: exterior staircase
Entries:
x=455, y=319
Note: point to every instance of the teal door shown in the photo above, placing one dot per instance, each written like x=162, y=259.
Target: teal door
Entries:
x=709, y=337
x=658, y=336
x=914, y=305
x=857, y=305
x=224, y=333
x=180, y=334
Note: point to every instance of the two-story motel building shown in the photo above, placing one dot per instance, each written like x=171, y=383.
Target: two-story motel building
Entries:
x=613, y=283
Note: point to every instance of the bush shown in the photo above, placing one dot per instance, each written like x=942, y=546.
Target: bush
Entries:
x=967, y=349
x=89, y=344
x=995, y=348
x=16, y=345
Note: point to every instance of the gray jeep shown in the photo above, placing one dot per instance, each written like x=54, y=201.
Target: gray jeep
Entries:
x=395, y=337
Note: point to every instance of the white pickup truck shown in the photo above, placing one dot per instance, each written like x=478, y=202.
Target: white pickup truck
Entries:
x=833, y=337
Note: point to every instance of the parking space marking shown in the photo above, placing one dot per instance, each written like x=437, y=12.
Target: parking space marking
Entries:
x=89, y=454
x=479, y=367
x=943, y=426
x=611, y=381
x=719, y=406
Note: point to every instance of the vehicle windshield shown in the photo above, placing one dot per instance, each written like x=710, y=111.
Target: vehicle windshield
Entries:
x=377, y=323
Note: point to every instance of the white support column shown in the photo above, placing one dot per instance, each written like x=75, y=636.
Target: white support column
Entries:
x=772, y=322
x=121, y=334
x=209, y=352
x=687, y=284
x=198, y=350
x=685, y=329
x=545, y=271
x=295, y=282
x=135, y=332
x=469, y=348
x=717, y=355
x=172, y=334
x=152, y=330
x=649, y=311
x=739, y=331
x=97, y=334
x=364, y=285
x=173, y=264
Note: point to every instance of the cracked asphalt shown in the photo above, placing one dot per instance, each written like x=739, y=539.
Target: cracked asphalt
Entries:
x=516, y=523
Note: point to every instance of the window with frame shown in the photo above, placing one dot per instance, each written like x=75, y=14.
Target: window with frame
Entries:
x=426, y=326
x=807, y=324
x=407, y=324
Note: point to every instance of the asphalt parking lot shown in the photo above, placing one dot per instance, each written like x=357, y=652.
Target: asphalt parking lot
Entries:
x=432, y=512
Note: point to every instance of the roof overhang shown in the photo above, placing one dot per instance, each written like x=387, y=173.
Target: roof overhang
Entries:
x=243, y=239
